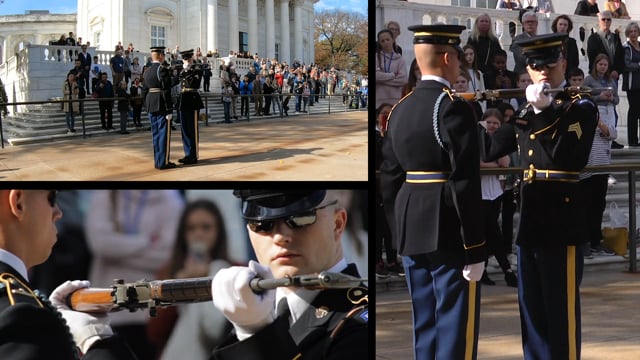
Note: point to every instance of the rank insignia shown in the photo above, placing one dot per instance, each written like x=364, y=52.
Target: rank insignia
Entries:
x=523, y=112
x=575, y=127
x=322, y=312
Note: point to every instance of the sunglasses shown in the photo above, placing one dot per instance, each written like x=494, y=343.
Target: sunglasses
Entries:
x=606, y=19
x=52, y=197
x=295, y=221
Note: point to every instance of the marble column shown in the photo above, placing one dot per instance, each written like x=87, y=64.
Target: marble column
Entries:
x=252, y=20
x=234, y=41
x=297, y=28
x=212, y=22
x=271, y=33
x=285, y=51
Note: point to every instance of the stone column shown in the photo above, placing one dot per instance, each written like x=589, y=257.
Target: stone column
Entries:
x=285, y=51
x=212, y=22
x=271, y=33
x=233, y=26
x=252, y=20
x=297, y=28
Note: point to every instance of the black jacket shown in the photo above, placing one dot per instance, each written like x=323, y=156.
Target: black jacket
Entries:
x=158, y=77
x=434, y=216
x=595, y=46
x=31, y=329
x=190, y=79
x=311, y=335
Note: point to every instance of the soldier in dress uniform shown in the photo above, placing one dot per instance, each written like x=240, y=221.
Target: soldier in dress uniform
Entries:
x=31, y=326
x=190, y=105
x=292, y=233
x=554, y=135
x=431, y=190
x=157, y=92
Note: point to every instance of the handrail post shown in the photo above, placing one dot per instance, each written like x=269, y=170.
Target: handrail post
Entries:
x=84, y=127
x=632, y=221
x=1, y=131
x=206, y=111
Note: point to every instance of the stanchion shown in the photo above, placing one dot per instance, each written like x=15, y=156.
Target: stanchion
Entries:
x=632, y=221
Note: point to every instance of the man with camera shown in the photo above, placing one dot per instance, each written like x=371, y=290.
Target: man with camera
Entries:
x=104, y=89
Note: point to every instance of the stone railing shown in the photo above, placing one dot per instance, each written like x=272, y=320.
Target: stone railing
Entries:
x=408, y=13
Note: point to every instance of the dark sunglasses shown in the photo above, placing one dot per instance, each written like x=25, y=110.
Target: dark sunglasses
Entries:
x=295, y=221
x=52, y=197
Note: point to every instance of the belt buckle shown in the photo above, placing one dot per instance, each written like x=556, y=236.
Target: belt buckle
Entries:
x=531, y=174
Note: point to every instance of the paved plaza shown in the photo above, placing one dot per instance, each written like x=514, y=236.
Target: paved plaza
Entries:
x=323, y=147
x=610, y=318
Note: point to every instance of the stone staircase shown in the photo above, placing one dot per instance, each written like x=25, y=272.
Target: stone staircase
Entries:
x=45, y=123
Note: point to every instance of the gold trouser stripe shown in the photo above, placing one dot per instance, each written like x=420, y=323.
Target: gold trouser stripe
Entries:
x=571, y=300
x=168, y=146
x=297, y=356
x=195, y=123
x=471, y=322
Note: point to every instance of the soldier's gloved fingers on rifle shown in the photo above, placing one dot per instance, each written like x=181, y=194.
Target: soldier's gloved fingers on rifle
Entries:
x=232, y=295
x=86, y=328
x=537, y=97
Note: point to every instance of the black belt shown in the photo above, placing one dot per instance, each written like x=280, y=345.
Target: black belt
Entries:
x=425, y=177
x=550, y=175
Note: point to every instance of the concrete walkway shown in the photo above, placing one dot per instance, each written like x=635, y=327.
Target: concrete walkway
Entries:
x=323, y=147
x=609, y=296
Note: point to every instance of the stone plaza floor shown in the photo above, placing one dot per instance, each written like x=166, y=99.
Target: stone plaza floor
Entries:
x=323, y=147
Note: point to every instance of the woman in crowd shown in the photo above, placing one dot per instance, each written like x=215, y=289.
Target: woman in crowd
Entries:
x=391, y=73
x=484, y=41
x=70, y=91
x=563, y=24
x=476, y=78
x=618, y=9
x=631, y=80
x=414, y=77
x=200, y=250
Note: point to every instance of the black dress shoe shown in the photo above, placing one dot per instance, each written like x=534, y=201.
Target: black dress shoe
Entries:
x=185, y=159
x=485, y=279
x=615, y=145
x=511, y=279
x=190, y=161
x=169, y=165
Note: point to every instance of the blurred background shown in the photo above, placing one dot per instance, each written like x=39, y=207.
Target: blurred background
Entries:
x=163, y=234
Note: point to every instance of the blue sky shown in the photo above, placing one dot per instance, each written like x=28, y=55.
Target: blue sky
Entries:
x=13, y=7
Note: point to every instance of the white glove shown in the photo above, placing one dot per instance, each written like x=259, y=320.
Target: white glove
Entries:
x=85, y=328
x=537, y=97
x=169, y=117
x=473, y=272
x=246, y=310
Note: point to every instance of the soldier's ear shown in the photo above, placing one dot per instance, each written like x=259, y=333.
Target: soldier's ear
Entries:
x=16, y=203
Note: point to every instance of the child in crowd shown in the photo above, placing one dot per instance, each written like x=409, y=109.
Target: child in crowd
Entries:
x=498, y=77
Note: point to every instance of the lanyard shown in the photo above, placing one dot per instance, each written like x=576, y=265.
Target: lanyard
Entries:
x=387, y=68
x=131, y=222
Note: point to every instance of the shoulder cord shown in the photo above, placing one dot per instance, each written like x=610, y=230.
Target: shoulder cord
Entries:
x=436, y=127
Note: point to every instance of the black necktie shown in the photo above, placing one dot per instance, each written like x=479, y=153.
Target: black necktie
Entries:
x=282, y=310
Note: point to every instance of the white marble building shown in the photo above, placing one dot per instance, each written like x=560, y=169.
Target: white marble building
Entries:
x=272, y=28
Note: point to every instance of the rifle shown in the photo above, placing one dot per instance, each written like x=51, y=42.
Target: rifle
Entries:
x=496, y=94
x=150, y=295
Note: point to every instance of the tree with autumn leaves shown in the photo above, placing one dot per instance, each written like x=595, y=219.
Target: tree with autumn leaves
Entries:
x=341, y=40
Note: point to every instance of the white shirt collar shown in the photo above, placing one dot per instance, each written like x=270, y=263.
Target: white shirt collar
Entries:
x=436, y=78
x=300, y=299
x=15, y=262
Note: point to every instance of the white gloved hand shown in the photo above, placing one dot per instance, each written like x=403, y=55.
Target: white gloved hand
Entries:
x=232, y=295
x=85, y=328
x=537, y=97
x=473, y=272
x=169, y=117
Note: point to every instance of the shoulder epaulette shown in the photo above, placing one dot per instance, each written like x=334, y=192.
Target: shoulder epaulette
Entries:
x=13, y=286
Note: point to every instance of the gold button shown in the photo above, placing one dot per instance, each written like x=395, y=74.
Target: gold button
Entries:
x=517, y=136
x=567, y=200
x=530, y=152
x=532, y=136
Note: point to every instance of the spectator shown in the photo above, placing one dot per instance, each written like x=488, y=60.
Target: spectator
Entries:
x=631, y=80
x=593, y=186
x=200, y=250
x=70, y=91
x=206, y=75
x=136, y=69
x=461, y=85
x=491, y=200
x=476, y=78
x=246, y=90
x=414, y=75
x=96, y=70
x=78, y=71
x=391, y=70
x=563, y=24
x=509, y=4
x=355, y=238
x=117, y=67
x=618, y=9
x=127, y=67
x=394, y=27
x=123, y=106
x=276, y=99
x=85, y=62
x=62, y=41
x=104, y=89
x=257, y=95
x=522, y=81
x=498, y=77
x=587, y=8
x=529, y=22
x=227, y=94
x=607, y=42
x=235, y=86
x=136, y=101
x=484, y=42
x=70, y=41
x=131, y=234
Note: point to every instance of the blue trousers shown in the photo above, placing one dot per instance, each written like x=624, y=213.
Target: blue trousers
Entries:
x=189, y=125
x=161, y=134
x=445, y=306
x=549, y=299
